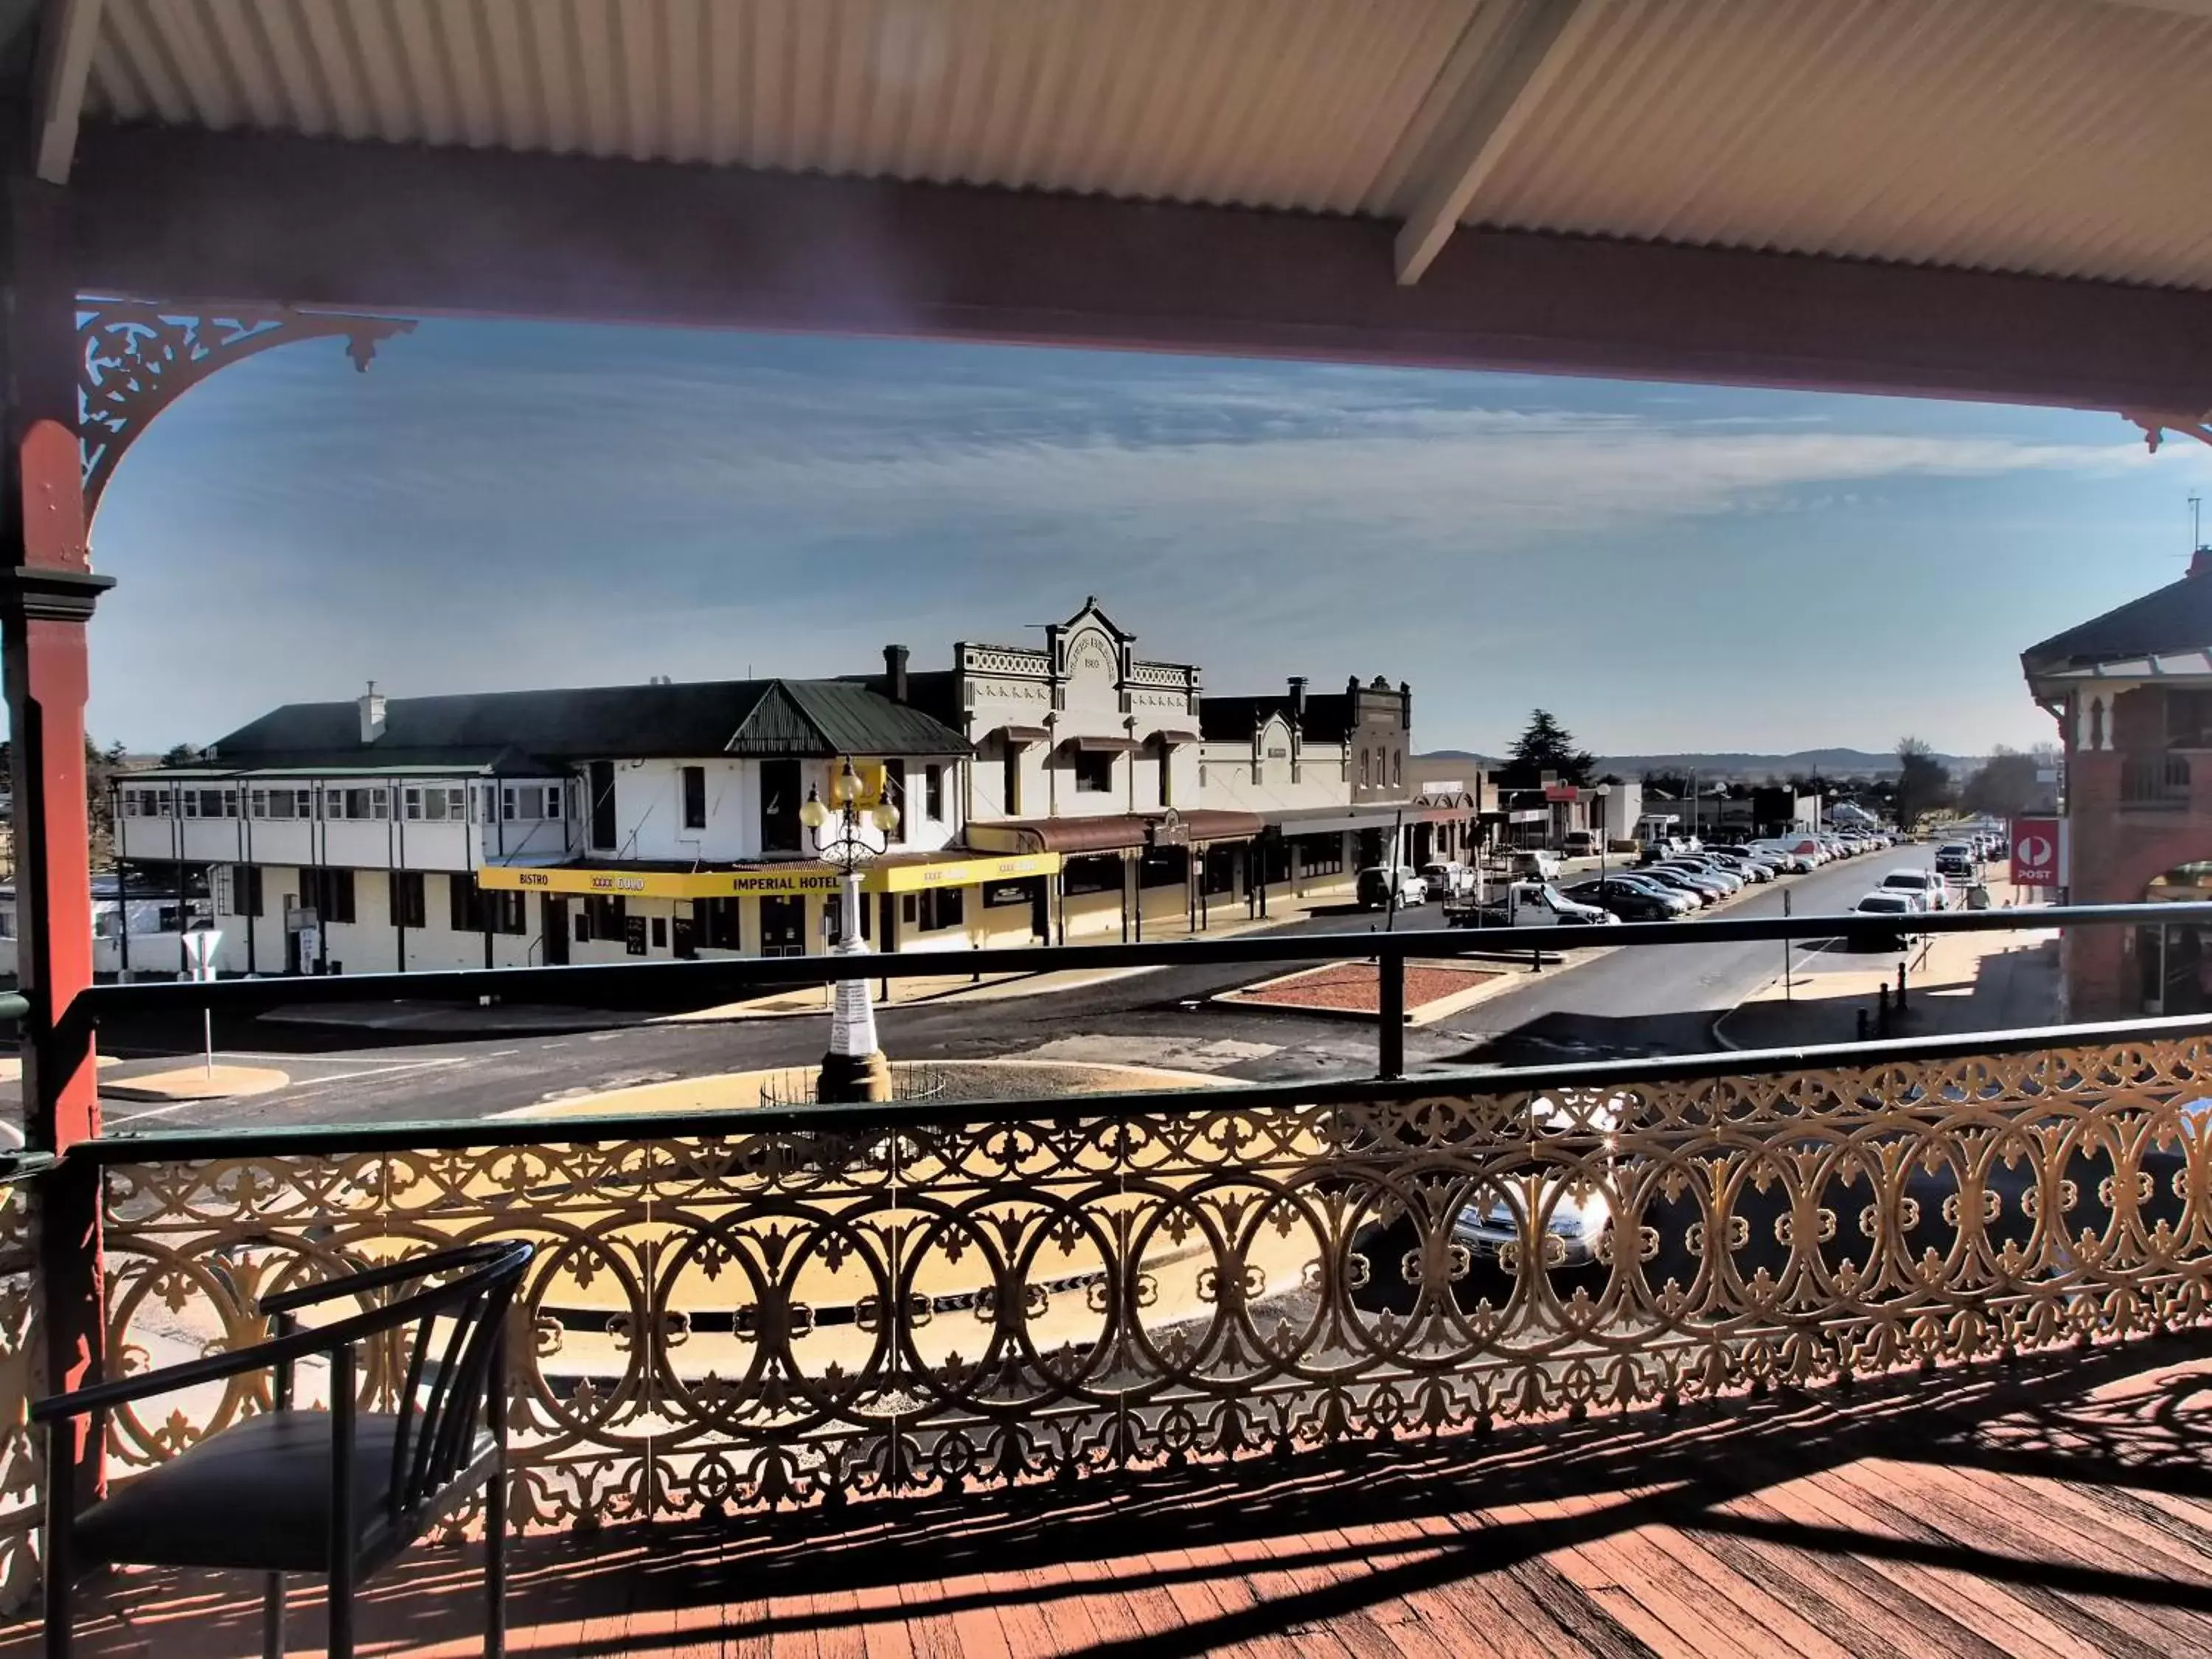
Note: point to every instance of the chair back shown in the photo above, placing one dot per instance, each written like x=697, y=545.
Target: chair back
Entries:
x=440, y=1404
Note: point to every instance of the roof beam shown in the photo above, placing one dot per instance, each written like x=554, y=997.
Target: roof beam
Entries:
x=67, y=34
x=1491, y=107
x=235, y=218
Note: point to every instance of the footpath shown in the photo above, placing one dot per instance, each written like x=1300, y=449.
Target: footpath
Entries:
x=1955, y=983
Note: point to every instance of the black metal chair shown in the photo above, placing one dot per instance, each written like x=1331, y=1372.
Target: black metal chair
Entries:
x=339, y=1492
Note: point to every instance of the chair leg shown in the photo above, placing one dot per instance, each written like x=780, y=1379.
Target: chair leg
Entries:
x=272, y=1616
x=58, y=1611
x=496, y=1564
x=341, y=1642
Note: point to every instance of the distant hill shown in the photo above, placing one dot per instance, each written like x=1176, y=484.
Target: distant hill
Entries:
x=1829, y=762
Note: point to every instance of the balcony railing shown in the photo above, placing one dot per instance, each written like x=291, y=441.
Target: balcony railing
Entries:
x=2156, y=781
x=819, y=1305
x=826, y=1304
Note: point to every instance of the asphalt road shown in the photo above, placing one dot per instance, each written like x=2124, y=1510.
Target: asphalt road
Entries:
x=1608, y=1003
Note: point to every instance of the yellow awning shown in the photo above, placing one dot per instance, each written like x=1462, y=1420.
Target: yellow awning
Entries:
x=773, y=880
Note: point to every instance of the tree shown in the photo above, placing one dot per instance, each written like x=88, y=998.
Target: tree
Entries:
x=2004, y=785
x=181, y=754
x=1924, y=783
x=1548, y=746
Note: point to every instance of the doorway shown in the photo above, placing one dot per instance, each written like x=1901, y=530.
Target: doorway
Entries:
x=783, y=925
x=553, y=932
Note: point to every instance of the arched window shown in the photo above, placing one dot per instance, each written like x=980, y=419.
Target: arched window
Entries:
x=1397, y=769
x=1363, y=769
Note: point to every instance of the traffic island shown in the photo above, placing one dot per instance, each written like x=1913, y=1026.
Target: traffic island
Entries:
x=1353, y=990
x=197, y=1083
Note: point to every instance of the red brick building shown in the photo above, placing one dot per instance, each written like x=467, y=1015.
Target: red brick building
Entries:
x=2131, y=691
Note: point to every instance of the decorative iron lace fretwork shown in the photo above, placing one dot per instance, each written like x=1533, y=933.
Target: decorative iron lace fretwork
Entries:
x=139, y=359
x=883, y=1305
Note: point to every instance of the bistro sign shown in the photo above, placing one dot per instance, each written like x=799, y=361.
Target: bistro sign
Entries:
x=771, y=881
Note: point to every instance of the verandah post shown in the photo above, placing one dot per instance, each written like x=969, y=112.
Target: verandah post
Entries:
x=47, y=591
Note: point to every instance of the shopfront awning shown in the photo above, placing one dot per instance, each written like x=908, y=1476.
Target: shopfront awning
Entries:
x=1102, y=745
x=1022, y=736
x=1174, y=739
x=1116, y=833
x=898, y=873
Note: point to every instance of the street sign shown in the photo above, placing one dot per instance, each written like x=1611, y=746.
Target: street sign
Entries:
x=200, y=949
x=2035, y=853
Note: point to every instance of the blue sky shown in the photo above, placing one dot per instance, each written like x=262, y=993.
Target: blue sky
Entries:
x=1665, y=567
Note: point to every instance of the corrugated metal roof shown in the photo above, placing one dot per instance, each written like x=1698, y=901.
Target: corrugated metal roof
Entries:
x=2065, y=138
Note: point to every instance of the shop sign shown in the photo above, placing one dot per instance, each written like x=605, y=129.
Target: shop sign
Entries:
x=2035, y=853
x=1561, y=792
x=1003, y=893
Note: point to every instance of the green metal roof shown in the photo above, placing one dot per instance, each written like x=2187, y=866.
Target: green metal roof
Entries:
x=517, y=733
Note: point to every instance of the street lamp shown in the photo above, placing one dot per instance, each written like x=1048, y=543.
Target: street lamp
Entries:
x=1603, y=790
x=849, y=830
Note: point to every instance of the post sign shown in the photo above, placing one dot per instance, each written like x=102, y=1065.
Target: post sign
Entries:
x=2035, y=853
x=1561, y=792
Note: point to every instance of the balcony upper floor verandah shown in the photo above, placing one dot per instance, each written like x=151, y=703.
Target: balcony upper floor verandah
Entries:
x=1543, y=1356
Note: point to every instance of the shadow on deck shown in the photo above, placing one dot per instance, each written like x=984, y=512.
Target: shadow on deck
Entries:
x=2062, y=1507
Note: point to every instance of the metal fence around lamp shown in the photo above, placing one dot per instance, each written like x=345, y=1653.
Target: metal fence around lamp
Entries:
x=851, y=829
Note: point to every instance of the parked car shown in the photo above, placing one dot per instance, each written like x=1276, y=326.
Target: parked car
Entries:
x=1697, y=892
x=1788, y=863
x=1680, y=900
x=1381, y=888
x=1730, y=882
x=1580, y=844
x=1710, y=884
x=1891, y=902
x=1630, y=903
x=1955, y=860
x=1750, y=869
x=1536, y=861
x=1926, y=885
x=1448, y=879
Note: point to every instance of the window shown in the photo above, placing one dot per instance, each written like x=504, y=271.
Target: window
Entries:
x=357, y=806
x=933, y=793
x=188, y=803
x=279, y=804
x=1321, y=855
x=601, y=775
x=1094, y=772
x=1100, y=873
x=717, y=918
x=509, y=801
x=465, y=905
x=130, y=803
x=407, y=909
x=780, y=799
x=600, y=918
x=553, y=801
x=694, y=798
x=660, y=932
x=1167, y=774
x=245, y=895
x=437, y=803
x=211, y=804
x=941, y=907
x=1010, y=765
x=1219, y=872
x=1397, y=769
x=162, y=802
x=1163, y=867
x=230, y=803
x=895, y=792
x=329, y=894
x=1363, y=769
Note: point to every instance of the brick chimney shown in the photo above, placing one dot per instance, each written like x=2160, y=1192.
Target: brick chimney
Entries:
x=1406, y=703
x=895, y=658
x=2200, y=561
x=1298, y=700
x=370, y=704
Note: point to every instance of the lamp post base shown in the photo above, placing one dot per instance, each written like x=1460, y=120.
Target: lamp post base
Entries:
x=846, y=1079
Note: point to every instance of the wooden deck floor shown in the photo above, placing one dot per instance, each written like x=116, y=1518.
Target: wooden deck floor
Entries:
x=2058, y=1512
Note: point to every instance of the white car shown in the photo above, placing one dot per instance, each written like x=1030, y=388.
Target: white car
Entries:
x=1891, y=902
x=1930, y=888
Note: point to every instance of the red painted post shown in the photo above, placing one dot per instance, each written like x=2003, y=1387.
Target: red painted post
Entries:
x=47, y=591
